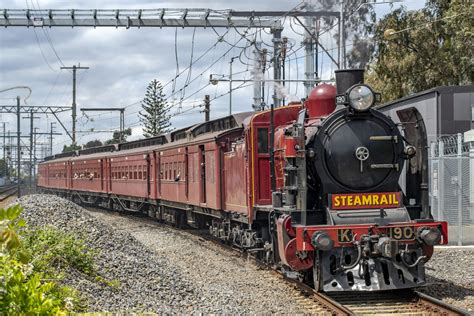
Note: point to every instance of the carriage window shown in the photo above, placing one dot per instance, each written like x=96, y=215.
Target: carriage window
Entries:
x=262, y=139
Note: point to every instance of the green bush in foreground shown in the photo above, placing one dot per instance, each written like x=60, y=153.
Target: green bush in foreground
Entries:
x=32, y=261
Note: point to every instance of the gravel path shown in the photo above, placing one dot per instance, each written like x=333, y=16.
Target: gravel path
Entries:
x=162, y=270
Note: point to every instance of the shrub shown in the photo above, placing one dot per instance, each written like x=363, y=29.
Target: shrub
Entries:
x=28, y=257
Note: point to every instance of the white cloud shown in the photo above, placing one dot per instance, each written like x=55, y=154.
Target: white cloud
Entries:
x=122, y=62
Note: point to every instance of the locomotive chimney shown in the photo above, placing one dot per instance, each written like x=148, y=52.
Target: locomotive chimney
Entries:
x=346, y=78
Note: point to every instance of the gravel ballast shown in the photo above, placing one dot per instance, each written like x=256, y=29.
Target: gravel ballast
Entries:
x=164, y=270
x=158, y=269
x=451, y=274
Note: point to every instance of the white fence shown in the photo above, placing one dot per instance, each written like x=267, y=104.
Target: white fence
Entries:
x=451, y=163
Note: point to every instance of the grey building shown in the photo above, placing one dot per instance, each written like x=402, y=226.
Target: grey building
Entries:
x=445, y=110
x=448, y=113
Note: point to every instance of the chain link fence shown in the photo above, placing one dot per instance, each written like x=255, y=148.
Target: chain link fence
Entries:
x=451, y=162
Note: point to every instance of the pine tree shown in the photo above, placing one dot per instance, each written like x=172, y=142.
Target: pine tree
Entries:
x=155, y=115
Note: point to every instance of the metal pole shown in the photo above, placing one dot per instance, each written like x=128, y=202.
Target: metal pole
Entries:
x=283, y=69
x=264, y=65
x=230, y=85
x=459, y=190
x=441, y=179
x=276, y=101
x=309, y=50
x=74, y=104
x=122, y=125
x=316, y=52
x=207, y=108
x=4, y=152
x=51, y=140
x=18, y=144
x=434, y=167
x=74, y=109
x=276, y=64
x=342, y=40
x=34, y=157
x=31, y=149
x=257, y=75
x=9, y=155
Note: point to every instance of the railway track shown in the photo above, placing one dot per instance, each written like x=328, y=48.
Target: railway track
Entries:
x=7, y=190
x=399, y=302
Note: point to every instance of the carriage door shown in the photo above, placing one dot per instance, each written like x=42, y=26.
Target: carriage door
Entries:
x=263, y=167
x=202, y=154
x=102, y=174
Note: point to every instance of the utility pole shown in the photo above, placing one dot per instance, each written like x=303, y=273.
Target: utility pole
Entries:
x=283, y=69
x=207, y=108
x=4, y=151
x=74, y=70
x=276, y=100
x=263, y=60
x=342, y=46
x=18, y=145
x=230, y=84
x=9, y=154
x=51, y=131
x=31, y=117
x=308, y=42
x=257, y=78
x=34, y=157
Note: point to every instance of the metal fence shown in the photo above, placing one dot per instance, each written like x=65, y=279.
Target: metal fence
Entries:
x=451, y=163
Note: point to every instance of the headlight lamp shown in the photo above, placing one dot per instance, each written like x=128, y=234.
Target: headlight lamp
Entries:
x=361, y=97
x=322, y=241
x=431, y=236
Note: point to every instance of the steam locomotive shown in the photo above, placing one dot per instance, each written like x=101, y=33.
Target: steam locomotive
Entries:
x=329, y=189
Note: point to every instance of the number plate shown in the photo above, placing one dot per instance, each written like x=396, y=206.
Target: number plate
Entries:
x=344, y=235
x=402, y=233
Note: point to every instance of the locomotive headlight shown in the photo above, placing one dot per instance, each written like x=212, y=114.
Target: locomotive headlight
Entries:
x=361, y=98
x=322, y=241
x=431, y=236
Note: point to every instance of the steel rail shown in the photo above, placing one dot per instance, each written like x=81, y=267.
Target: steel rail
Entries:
x=7, y=191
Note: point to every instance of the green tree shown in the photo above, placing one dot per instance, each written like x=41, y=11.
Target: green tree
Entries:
x=359, y=21
x=418, y=50
x=155, y=115
x=93, y=143
x=118, y=137
x=72, y=147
